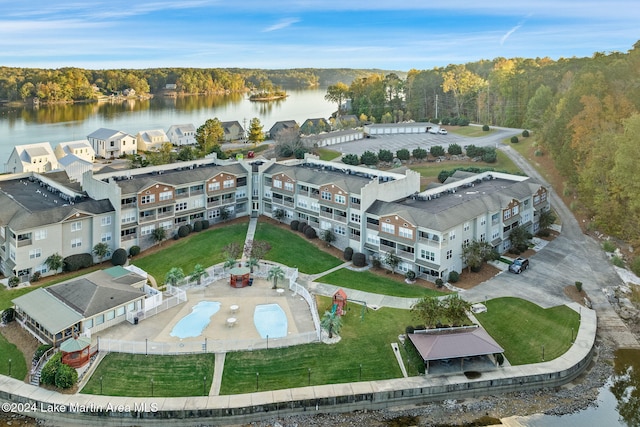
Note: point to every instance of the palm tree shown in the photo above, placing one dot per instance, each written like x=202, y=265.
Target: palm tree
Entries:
x=252, y=263
x=173, y=276
x=331, y=322
x=101, y=250
x=198, y=273
x=158, y=235
x=230, y=263
x=275, y=274
x=54, y=262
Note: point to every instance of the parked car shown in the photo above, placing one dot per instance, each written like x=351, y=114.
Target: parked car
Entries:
x=442, y=131
x=519, y=265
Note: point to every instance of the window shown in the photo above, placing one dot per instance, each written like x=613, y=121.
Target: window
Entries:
x=99, y=319
x=167, y=225
x=111, y=314
x=315, y=206
x=106, y=237
x=495, y=234
x=288, y=186
x=228, y=183
x=145, y=231
x=166, y=195
x=214, y=186
x=104, y=221
x=119, y=311
x=388, y=228
x=76, y=226
x=483, y=237
x=515, y=210
x=181, y=206
x=428, y=255
x=128, y=217
x=213, y=214
x=38, y=235
x=241, y=193
x=88, y=324
x=354, y=200
x=407, y=233
x=76, y=243
x=452, y=235
x=302, y=203
x=340, y=230
x=466, y=226
x=355, y=217
x=149, y=198
x=340, y=199
x=506, y=214
x=277, y=183
x=131, y=306
x=449, y=254
x=465, y=243
x=373, y=239
x=267, y=194
x=494, y=219
x=325, y=225
x=198, y=203
x=483, y=221
x=326, y=195
x=35, y=253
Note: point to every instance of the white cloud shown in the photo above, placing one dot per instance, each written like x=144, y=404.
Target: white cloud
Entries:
x=281, y=25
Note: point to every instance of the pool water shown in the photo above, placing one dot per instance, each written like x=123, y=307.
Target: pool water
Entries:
x=194, y=323
x=270, y=321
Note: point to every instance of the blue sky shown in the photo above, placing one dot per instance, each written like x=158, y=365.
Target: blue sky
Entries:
x=420, y=34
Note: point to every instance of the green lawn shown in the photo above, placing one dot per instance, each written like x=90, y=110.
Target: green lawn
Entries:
x=173, y=376
x=471, y=131
x=432, y=169
x=370, y=282
x=523, y=328
x=365, y=342
x=203, y=248
x=293, y=250
x=18, y=364
x=326, y=154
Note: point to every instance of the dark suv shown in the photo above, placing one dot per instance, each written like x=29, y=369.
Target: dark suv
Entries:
x=519, y=265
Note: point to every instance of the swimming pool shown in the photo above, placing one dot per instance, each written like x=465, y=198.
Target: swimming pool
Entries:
x=270, y=321
x=194, y=323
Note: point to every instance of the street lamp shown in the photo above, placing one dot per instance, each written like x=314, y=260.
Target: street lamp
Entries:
x=204, y=385
x=151, y=387
x=100, y=384
x=257, y=380
x=9, y=367
x=309, y=376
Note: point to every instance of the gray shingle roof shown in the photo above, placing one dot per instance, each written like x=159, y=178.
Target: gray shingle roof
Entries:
x=315, y=176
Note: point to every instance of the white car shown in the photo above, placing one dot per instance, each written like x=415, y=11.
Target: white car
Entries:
x=442, y=131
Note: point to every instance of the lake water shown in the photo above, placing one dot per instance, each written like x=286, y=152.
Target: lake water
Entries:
x=61, y=123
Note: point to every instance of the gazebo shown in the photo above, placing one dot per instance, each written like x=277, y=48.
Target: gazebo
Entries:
x=240, y=277
x=76, y=351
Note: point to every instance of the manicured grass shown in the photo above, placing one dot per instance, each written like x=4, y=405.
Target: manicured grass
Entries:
x=205, y=248
x=432, y=169
x=293, y=250
x=18, y=364
x=364, y=341
x=173, y=376
x=523, y=328
x=370, y=282
x=471, y=131
x=326, y=154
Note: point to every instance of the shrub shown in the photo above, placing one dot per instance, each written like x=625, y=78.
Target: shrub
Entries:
x=579, y=286
x=359, y=259
x=499, y=359
x=445, y=121
x=8, y=315
x=134, y=250
x=299, y=152
x=617, y=261
x=437, y=151
x=66, y=376
x=410, y=275
x=538, y=153
x=301, y=226
x=40, y=351
x=403, y=154
x=409, y=330
x=351, y=159
x=385, y=155
x=205, y=224
x=197, y=226
x=454, y=149
x=14, y=281
x=485, y=128
x=463, y=121
x=119, y=257
x=473, y=151
x=369, y=158
x=50, y=369
x=608, y=246
x=490, y=155
x=514, y=139
x=348, y=254
x=36, y=276
x=376, y=263
x=189, y=227
x=310, y=233
x=76, y=262
x=525, y=133
x=439, y=283
x=183, y=231
x=294, y=224
x=454, y=276
x=176, y=236
x=419, y=153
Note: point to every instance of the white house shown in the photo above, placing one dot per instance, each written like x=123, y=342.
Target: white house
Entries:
x=151, y=140
x=37, y=157
x=109, y=143
x=75, y=166
x=81, y=149
x=182, y=134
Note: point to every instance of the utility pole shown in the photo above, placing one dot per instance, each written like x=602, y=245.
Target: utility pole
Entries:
x=436, y=105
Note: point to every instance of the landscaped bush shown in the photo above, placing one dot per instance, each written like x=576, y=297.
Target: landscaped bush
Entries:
x=66, y=376
x=445, y=121
x=351, y=159
x=514, y=139
x=617, y=261
x=40, y=351
x=419, y=153
x=409, y=330
x=454, y=276
x=454, y=150
x=294, y=224
x=8, y=315
x=490, y=155
x=439, y=283
x=485, y=128
x=14, y=281
x=579, y=286
x=119, y=257
x=403, y=154
x=369, y=158
x=437, y=151
x=189, y=227
x=359, y=259
x=385, y=155
x=197, y=226
x=410, y=275
x=36, y=276
x=310, y=233
x=50, y=369
x=499, y=359
x=608, y=246
x=301, y=226
x=348, y=254
x=205, y=224
x=183, y=231
x=525, y=133
x=376, y=263
x=76, y=262
x=474, y=151
x=134, y=250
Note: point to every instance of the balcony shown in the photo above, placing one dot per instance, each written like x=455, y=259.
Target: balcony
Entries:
x=147, y=218
x=24, y=242
x=406, y=255
x=429, y=242
x=371, y=226
x=385, y=248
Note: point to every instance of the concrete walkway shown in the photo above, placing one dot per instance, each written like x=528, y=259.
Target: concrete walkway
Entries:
x=218, y=368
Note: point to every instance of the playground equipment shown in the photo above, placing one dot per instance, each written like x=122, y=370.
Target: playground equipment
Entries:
x=339, y=303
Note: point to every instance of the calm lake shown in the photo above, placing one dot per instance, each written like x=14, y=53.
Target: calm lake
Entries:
x=61, y=123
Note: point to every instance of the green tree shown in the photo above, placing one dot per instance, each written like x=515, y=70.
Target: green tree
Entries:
x=369, y=158
x=256, y=133
x=428, y=310
x=392, y=260
x=198, y=273
x=464, y=84
x=54, y=262
x=519, y=238
x=385, y=155
x=337, y=93
x=419, y=153
x=158, y=235
x=101, y=250
x=275, y=273
x=437, y=151
x=351, y=159
x=331, y=322
x=455, y=309
x=279, y=214
x=209, y=135
x=173, y=276
x=328, y=237
x=546, y=219
x=476, y=253
x=403, y=154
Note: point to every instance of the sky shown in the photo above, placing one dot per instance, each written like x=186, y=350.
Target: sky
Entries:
x=279, y=34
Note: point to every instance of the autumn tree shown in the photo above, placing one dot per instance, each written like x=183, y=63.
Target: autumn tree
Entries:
x=209, y=135
x=256, y=133
x=337, y=93
x=464, y=85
